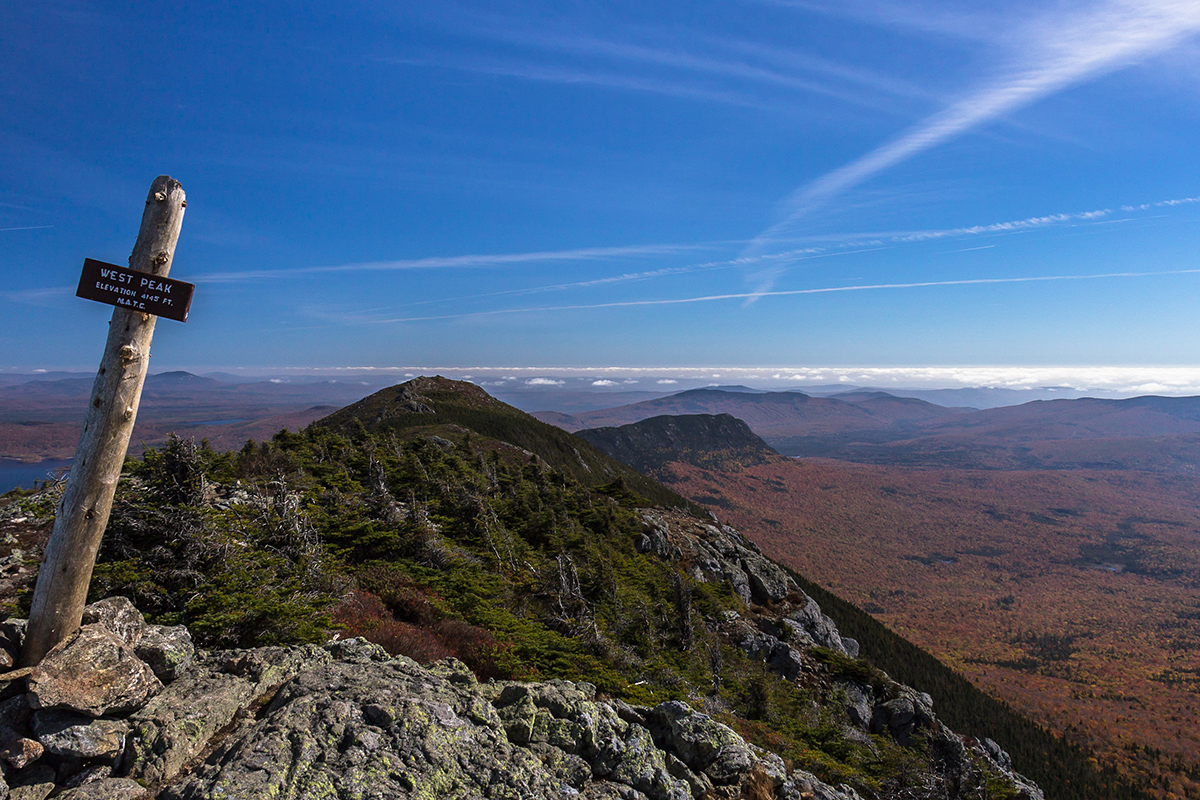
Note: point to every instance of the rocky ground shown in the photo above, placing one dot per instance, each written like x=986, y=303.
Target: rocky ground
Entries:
x=129, y=710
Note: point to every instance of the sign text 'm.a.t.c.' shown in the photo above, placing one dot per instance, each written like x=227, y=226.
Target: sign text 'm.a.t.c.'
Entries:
x=139, y=291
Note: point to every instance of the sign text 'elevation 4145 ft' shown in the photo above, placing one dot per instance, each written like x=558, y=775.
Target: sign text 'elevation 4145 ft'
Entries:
x=139, y=291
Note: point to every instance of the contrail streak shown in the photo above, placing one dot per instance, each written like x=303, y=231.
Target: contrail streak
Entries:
x=792, y=293
x=1060, y=53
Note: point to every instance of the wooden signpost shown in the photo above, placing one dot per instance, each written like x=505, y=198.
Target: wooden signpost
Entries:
x=141, y=294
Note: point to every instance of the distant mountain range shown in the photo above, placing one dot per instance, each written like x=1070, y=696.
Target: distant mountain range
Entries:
x=1151, y=433
x=968, y=397
x=768, y=413
x=42, y=418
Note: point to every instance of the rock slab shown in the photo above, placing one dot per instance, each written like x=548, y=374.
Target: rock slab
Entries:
x=93, y=673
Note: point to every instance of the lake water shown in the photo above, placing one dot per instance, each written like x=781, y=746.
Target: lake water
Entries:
x=24, y=473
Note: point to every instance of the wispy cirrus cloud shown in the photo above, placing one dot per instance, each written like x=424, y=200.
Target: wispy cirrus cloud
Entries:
x=479, y=260
x=1054, y=51
x=1012, y=226
x=739, y=61
x=709, y=298
x=774, y=264
x=847, y=244
x=555, y=73
x=958, y=20
x=1183, y=201
x=642, y=58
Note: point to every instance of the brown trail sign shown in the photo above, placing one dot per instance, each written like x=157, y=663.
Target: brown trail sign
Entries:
x=118, y=286
x=66, y=570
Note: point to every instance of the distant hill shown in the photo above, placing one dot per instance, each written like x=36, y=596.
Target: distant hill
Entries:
x=439, y=406
x=180, y=380
x=970, y=397
x=712, y=440
x=1085, y=418
x=769, y=413
x=1147, y=433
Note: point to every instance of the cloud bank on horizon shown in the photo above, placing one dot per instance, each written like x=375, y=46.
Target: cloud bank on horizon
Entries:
x=1106, y=381
x=791, y=181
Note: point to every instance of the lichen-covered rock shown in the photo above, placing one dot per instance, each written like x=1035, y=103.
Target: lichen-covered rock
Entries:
x=393, y=729
x=655, y=537
x=119, y=616
x=904, y=715
x=33, y=783
x=12, y=636
x=107, y=789
x=998, y=755
x=859, y=702
x=452, y=670
x=348, y=720
x=783, y=659
x=71, y=735
x=809, y=624
x=381, y=730
x=16, y=749
x=609, y=739
x=180, y=723
x=90, y=774
x=805, y=786
x=21, y=751
x=768, y=581
x=700, y=742
x=357, y=649
x=168, y=650
x=643, y=767
x=94, y=673
x=1026, y=789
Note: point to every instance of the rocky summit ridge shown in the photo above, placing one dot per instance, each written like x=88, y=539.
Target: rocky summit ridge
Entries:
x=629, y=650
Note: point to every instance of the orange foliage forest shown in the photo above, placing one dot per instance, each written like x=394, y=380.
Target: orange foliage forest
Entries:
x=1072, y=595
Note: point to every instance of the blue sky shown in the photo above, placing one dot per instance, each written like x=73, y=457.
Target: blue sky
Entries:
x=740, y=185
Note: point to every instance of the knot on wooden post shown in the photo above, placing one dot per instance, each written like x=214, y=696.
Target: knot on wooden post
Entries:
x=130, y=353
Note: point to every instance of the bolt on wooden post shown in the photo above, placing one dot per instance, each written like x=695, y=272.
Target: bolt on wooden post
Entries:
x=82, y=516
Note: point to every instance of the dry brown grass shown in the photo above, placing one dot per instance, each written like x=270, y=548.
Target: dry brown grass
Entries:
x=758, y=786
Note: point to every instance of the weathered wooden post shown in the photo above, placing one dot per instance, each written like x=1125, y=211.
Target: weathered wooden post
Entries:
x=66, y=570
